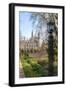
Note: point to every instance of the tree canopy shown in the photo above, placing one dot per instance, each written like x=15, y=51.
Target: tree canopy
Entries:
x=39, y=19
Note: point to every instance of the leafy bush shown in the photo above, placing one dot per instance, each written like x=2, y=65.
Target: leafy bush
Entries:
x=56, y=54
x=39, y=70
x=27, y=69
x=34, y=67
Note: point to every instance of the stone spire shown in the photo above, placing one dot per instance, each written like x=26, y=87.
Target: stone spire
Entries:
x=38, y=35
x=32, y=34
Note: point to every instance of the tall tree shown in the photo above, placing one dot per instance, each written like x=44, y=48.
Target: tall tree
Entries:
x=40, y=19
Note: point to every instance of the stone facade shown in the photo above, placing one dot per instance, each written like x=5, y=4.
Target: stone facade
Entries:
x=32, y=43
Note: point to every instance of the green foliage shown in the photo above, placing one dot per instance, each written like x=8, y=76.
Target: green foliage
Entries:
x=27, y=69
x=55, y=51
x=26, y=55
x=56, y=54
x=35, y=68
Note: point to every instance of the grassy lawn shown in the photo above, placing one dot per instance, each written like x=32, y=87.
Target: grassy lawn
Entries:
x=32, y=67
x=36, y=67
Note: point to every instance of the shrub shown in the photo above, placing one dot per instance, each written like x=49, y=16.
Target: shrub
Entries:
x=35, y=66
x=38, y=69
x=32, y=68
x=27, y=69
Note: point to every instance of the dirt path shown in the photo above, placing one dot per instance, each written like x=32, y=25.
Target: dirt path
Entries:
x=21, y=72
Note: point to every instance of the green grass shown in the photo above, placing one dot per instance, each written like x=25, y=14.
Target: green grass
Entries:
x=34, y=67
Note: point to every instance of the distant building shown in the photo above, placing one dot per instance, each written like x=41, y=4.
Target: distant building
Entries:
x=32, y=43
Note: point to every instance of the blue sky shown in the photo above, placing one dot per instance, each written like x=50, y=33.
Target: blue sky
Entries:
x=25, y=24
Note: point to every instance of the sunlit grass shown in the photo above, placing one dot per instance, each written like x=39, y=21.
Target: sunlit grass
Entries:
x=36, y=67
